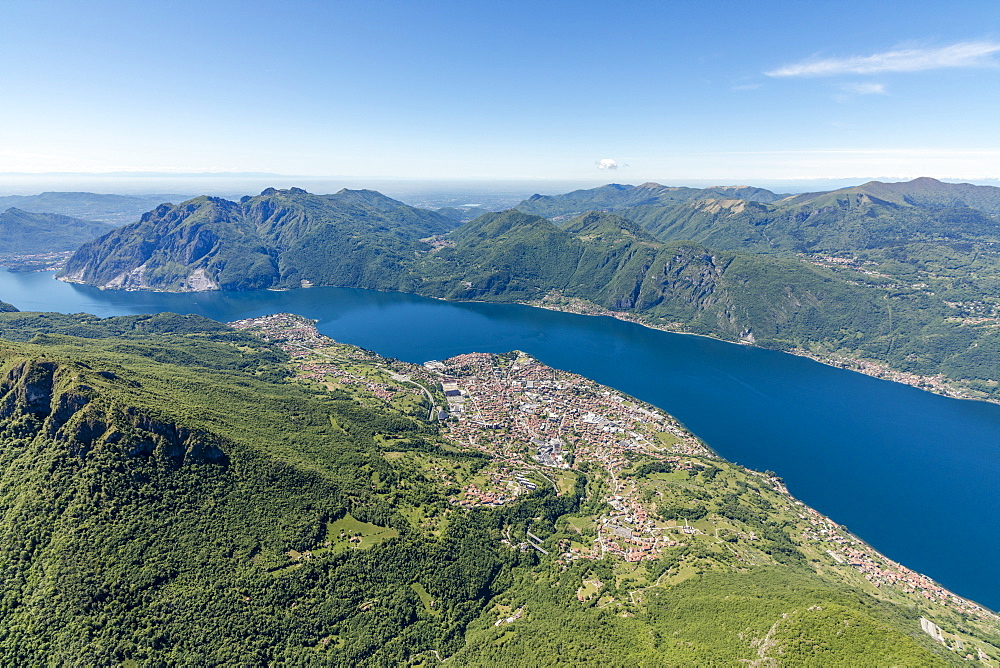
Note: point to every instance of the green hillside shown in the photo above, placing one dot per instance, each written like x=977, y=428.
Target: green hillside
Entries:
x=277, y=239
x=942, y=234
x=171, y=496
x=949, y=252
x=924, y=254
x=922, y=231
x=152, y=493
x=104, y=208
x=23, y=233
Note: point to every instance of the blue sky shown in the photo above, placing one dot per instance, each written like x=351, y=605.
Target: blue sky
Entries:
x=667, y=90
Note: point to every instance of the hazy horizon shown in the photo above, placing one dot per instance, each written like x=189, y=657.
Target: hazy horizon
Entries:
x=415, y=191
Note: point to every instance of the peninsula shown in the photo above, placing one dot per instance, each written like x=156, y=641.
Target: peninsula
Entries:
x=654, y=492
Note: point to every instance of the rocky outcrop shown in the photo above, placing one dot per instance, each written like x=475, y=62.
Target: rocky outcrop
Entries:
x=40, y=397
x=170, y=248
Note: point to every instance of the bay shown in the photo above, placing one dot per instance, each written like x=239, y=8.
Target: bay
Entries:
x=915, y=474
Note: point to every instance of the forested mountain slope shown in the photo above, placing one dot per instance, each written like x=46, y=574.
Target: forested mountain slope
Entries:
x=169, y=494
x=103, y=208
x=779, y=302
x=614, y=197
x=924, y=250
x=276, y=239
x=22, y=232
x=152, y=486
x=511, y=256
x=944, y=234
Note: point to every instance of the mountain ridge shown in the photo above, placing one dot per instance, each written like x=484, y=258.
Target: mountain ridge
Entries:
x=209, y=243
x=926, y=191
x=825, y=299
x=614, y=197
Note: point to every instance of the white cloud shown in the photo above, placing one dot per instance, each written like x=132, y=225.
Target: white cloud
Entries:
x=864, y=88
x=607, y=163
x=961, y=54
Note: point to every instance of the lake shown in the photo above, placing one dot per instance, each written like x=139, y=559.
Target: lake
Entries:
x=915, y=474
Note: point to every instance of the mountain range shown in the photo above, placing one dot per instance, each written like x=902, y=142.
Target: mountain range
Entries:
x=842, y=273
x=277, y=239
x=615, y=196
x=862, y=219
x=920, y=192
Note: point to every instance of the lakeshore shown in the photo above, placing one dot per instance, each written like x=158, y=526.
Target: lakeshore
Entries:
x=555, y=301
x=937, y=384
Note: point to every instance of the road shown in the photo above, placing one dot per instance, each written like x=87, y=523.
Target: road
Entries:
x=430, y=399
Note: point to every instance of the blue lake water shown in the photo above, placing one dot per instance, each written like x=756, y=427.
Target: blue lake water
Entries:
x=915, y=474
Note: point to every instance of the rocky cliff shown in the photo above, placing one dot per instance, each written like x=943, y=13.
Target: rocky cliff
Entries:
x=72, y=405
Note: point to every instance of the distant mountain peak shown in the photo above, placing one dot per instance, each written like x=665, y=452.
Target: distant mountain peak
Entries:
x=268, y=192
x=608, y=225
x=347, y=191
x=363, y=195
